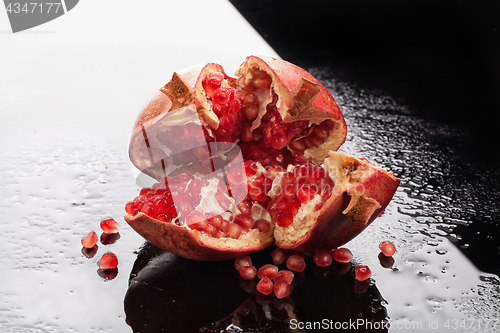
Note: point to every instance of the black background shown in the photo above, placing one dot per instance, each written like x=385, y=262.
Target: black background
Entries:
x=442, y=57
x=441, y=61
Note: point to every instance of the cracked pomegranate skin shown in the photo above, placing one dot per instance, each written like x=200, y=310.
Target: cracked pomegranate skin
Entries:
x=274, y=114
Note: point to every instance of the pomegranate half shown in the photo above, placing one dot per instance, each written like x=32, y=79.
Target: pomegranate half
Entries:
x=245, y=162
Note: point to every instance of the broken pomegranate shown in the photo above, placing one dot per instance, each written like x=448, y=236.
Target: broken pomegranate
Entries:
x=245, y=162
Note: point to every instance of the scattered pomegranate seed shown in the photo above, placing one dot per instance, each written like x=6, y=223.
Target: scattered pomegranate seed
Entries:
x=267, y=270
x=281, y=289
x=248, y=272
x=362, y=273
x=108, y=261
x=387, y=248
x=284, y=275
x=296, y=263
x=241, y=262
x=110, y=226
x=90, y=240
x=323, y=259
x=342, y=255
x=279, y=256
x=265, y=286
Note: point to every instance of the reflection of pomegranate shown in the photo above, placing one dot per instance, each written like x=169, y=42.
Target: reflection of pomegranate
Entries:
x=246, y=162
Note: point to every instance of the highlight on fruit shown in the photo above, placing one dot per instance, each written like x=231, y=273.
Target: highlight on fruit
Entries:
x=245, y=162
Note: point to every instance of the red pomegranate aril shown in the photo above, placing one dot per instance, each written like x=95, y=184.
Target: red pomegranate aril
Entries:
x=257, y=194
x=213, y=82
x=221, y=95
x=321, y=130
x=281, y=289
x=109, y=226
x=284, y=275
x=248, y=272
x=268, y=270
x=149, y=209
x=129, y=208
x=342, y=255
x=241, y=262
x=323, y=259
x=306, y=193
x=89, y=240
x=234, y=231
x=297, y=145
x=235, y=176
x=265, y=286
x=387, y=248
x=263, y=225
x=362, y=273
x=279, y=256
x=283, y=218
x=164, y=218
x=108, y=261
x=245, y=221
x=210, y=229
x=296, y=263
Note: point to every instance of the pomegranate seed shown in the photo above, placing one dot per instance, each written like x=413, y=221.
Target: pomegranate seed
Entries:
x=387, y=248
x=297, y=145
x=108, y=261
x=268, y=270
x=241, y=262
x=248, y=272
x=323, y=259
x=305, y=193
x=129, y=208
x=296, y=263
x=362, y=273
x=221, y=95
x=110, y=226
x=252, y=112
x=265, y=286
x=342, y=255
x=262, y=83
x=89, y=240
x=281, y=289
x=235, y=176
x=279, y=256
x=263, y=225
x=234, y=231
x=284, y=219
x=149, y=209
x=246, y=222
x=284, y=275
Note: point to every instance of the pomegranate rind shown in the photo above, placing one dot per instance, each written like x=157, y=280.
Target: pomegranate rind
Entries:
x=194, y=245
x=358, y=197
x=301, y=97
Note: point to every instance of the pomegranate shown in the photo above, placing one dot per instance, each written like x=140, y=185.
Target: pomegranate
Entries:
x=245, y=162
